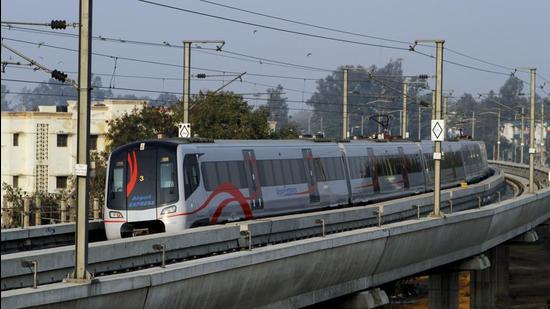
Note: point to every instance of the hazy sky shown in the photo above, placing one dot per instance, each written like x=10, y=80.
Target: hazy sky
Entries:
x=508, y=33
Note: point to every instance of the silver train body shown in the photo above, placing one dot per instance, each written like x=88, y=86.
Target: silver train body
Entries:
x=172, y=184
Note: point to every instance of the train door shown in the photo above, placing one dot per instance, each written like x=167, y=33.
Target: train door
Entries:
x=141, y=184
x=253, y=180
x=374, y=170
x=311, y=178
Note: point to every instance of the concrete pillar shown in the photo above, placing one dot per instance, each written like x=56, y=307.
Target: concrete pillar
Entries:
x=26, y=211
x=72, y=209
x=489, y=288
x=364, y=300
x=37, y=211
x=63, y=211
x=443, y=290
x=96, y=208
x=5, y=213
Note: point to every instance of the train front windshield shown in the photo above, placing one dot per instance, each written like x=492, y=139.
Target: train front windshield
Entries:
x=142, y=177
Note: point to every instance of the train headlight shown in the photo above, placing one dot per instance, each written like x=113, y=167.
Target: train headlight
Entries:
x=115, y=214
x=168, y=210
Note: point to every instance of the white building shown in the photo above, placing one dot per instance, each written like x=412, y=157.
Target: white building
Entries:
x=39, y=147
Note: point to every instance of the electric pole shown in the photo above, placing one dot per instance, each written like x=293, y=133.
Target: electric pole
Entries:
x=542, y=149
x=521, y=143
x=532, y=149
x=498, y=136
x=419, y=122
x=81, y=273
x=473, y=124
x=433, y=104
x=187, y=73
x=404, y=124
x=436, y=115
x=345, y=105
x=437, y=150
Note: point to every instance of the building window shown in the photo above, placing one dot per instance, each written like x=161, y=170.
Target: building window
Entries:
x=15, y=139
x=61, y=182
x=93, y=142
x=62, y=140
x=15, y=182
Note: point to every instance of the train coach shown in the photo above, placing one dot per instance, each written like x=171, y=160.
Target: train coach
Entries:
x=173, y=184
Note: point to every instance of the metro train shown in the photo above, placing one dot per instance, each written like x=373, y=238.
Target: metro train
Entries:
x=174, y=184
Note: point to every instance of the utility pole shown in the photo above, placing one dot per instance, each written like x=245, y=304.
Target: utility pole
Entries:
x=437, y=150
x=542, y=149
x=473, y=124
x=436, y=115
x=404, y=124
x=362, y=125
x=433, y=104
x=187, y=72
x=498, y=136
x=419, y=122
x=521, y=143
x=345, y=106
x=81, y=273
x=186, y=79
x=532, y=149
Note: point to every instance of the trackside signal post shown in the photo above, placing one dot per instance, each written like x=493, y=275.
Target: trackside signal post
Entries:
x=438, y=125
x=81, y=273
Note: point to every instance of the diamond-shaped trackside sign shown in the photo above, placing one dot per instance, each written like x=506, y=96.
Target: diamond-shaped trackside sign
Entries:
x=438, y=130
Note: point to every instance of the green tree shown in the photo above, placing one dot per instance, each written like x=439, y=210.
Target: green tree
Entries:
x=144, y=123
x=278, y=106
x=225, y=116
x=290, y=130
x=327, y=99
x=51, y=92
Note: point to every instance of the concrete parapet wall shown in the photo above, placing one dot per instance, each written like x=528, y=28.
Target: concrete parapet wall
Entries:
x=303, y=272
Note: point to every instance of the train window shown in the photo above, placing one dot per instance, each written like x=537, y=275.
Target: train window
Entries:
x=329, y=166
x=319, y=169
x=298, y=171
x=287, y=172
x=236, y=173
x=210, y=175
x=167, y=181
x=223, y=173
x=167, y=175
x=266, y=172
x=278, y=172
x=118, y=179
x=354, y=164
x=191, y=177
x=365, y=167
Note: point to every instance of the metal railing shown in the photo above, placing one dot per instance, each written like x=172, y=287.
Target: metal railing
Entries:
x=26, y=211
x=541, y=176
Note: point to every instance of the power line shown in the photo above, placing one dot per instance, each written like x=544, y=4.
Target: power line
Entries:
x=272, y=28
x=307, y=24
x=262, y=60
x=354, y=33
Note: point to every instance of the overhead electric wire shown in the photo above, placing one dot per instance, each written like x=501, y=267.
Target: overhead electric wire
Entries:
x=179, y=93
x=307, y=24
x=271, y=61
x=271, y=27
x=197, y=49
x=354, y=33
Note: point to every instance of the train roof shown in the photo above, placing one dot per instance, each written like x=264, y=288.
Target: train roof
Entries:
x=233, y=142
